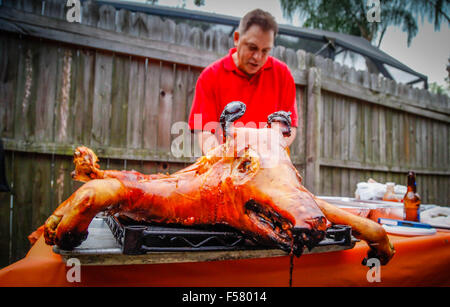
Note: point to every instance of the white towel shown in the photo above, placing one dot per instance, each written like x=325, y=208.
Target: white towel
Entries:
x=437, y=216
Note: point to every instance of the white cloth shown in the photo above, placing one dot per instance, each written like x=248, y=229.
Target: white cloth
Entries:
x=437, y=216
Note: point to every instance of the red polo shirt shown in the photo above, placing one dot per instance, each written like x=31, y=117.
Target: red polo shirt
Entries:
x=271, y=89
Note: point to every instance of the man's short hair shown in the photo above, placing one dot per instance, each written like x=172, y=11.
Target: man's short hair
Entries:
x=258, y=17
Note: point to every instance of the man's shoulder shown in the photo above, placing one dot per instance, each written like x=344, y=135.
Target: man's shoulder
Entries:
x=279, y=65
x=214, y=68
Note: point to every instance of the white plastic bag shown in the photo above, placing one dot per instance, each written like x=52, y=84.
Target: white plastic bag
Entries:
x=372, y=190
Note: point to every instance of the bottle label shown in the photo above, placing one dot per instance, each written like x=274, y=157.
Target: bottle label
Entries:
x=411, y=214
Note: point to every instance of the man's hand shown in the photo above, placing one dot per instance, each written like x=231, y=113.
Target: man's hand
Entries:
x=290, y=139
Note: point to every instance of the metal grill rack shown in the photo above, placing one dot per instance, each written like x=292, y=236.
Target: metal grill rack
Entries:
x=138, y=238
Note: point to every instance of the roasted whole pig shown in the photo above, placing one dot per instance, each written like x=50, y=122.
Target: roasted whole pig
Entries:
x=248, y=183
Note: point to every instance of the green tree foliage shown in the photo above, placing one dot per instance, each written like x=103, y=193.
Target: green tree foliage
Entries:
x=436, y=88
x=442, y=89
x=350, y=16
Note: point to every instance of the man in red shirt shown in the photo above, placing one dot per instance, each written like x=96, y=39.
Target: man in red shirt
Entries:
x=247, y=74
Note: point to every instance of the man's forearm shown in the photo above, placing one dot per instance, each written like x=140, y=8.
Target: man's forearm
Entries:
x=291, y=138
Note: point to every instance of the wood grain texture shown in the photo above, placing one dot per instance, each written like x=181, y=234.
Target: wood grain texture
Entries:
x=165, y=107
x=312, y=168
x=22, y=213
x=9, y=70
x=151, y=106
x=101, y=108
x=64, y=96
x=6, y=199
x=84, y=96
x=135, y=103
x=120, y=100
x=45, y=93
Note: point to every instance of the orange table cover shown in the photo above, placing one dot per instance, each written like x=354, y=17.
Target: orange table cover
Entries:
x=419, y=261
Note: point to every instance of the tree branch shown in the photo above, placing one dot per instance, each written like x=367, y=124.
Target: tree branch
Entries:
x=440, y=10
x=381, y=36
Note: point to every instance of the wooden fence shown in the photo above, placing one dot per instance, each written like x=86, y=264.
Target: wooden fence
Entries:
x=117, y=81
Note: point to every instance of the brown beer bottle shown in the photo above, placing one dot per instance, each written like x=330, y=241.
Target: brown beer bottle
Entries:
x=411, y=201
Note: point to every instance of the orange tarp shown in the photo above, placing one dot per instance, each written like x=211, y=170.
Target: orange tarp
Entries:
x=419, y=261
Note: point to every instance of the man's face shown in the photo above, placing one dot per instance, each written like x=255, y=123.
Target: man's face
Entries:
x=253, y=48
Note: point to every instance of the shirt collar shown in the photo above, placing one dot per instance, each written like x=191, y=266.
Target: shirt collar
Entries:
x=231, y=66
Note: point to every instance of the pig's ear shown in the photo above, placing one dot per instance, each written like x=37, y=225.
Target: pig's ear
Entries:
x=245, y=167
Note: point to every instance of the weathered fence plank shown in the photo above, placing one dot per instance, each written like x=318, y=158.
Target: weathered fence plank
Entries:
x=375, y=135
x=382, y=135
x=180, y=94
x=368, y=144
x=151, y=106
x=402, y=149
x=353, y=139
x=336, y=128
x=135, y=103
x=64, y=97
x=411, y=131
x=299, y=142
x=23, y=204
x=84, y=96
x=165, y=107
x=101, y=108
x=119, y=100
x=327, y=127
x=179, y=101
x=63, y=184
x=389, y=138
x=344, y=154
x=312, y=167
x=54, y=9
x=24, y=81
x=89, y=13
x=45, y=93
x=41, y=194
x=5, y=213
x=9, y=68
